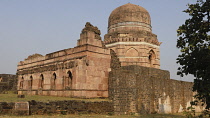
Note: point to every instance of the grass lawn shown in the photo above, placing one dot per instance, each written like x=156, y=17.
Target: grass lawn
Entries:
x=13, y=98
x=10, y=97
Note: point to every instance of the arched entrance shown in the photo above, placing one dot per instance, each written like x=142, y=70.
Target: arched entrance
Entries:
x=42, y=81
x=151, y=58
x=31, y=82
x=21, y=83
x=69, y=80
x=54, y=81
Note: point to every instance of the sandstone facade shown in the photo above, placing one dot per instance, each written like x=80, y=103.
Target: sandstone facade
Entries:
x=74, y=72
x=124, y=67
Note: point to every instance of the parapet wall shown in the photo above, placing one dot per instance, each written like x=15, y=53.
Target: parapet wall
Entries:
x=57, y=107
x=147, y=90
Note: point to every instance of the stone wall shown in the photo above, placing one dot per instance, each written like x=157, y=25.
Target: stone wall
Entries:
x=147, y=90
x=61, y=107
x=7, y=82
x=6, y=108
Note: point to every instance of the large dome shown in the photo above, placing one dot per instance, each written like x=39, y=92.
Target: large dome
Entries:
x=132, y=16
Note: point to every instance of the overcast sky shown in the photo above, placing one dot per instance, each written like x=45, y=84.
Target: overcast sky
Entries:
x=45, y=26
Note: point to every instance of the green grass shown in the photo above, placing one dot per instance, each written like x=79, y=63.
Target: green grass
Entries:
x=13, y=98
x=10, y=97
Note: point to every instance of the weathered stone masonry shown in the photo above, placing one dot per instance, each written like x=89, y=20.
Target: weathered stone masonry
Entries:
x=73, y=72
x=124, y=67
x=83, y=71
x=148, y=90
x=8, y=82
x=60, y=107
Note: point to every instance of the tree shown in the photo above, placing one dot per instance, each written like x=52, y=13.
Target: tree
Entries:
x=194, y=43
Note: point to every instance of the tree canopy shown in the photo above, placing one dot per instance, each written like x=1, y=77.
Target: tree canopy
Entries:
x=194, y=43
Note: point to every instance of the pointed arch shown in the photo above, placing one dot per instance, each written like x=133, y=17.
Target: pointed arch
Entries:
x=70, y=75
x=31, y=82
x=132, y=52
x=69, y=80
x=54, y=78
x=151, y=58
x=21, y=83
x=41, y=81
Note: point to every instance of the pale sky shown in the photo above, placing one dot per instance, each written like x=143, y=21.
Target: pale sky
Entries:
x=44, y=26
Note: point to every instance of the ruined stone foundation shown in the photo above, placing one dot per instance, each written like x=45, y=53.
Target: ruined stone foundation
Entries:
x=136, y=89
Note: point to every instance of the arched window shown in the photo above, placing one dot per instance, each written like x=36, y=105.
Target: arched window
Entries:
x=54, y=81
x=21, y=83
x=31, y=82
x=151, y=58
x=132, y=52
x=41, y=81
x=69, y=79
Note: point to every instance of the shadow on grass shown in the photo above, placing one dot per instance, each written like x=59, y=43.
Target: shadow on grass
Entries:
x=161, y=116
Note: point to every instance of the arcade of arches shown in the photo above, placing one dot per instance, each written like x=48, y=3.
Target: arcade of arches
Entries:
x=40, y=82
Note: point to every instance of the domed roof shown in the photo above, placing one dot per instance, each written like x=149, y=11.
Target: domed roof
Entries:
x=129, y=13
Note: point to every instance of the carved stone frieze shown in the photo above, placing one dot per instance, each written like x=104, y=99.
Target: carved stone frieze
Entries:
x=54, y=67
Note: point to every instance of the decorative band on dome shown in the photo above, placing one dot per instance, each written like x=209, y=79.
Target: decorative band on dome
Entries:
x=130, y=25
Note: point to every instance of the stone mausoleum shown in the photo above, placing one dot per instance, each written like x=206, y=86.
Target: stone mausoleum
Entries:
x=125, y=67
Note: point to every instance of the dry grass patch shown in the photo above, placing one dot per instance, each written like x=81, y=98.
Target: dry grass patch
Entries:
x=98, y=116
x=13, y=98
